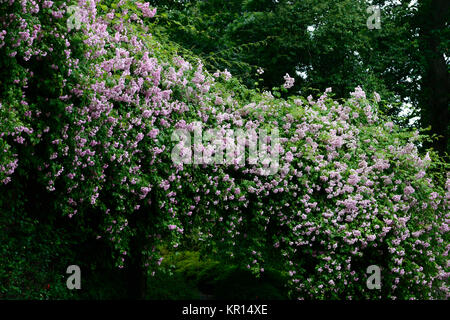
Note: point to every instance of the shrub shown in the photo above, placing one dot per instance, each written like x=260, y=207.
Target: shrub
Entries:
x=92, y=112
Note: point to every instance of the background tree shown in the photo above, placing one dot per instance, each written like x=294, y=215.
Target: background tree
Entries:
x=434, y=36
x=327, y=43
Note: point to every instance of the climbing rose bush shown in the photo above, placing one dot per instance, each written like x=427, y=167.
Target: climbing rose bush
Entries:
x=93, y=111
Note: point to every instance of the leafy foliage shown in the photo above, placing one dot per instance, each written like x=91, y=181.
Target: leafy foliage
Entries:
x=87, y=123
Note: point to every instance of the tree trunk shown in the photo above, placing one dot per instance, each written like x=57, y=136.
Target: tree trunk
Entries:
x=435, y=88
x=137, y=274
